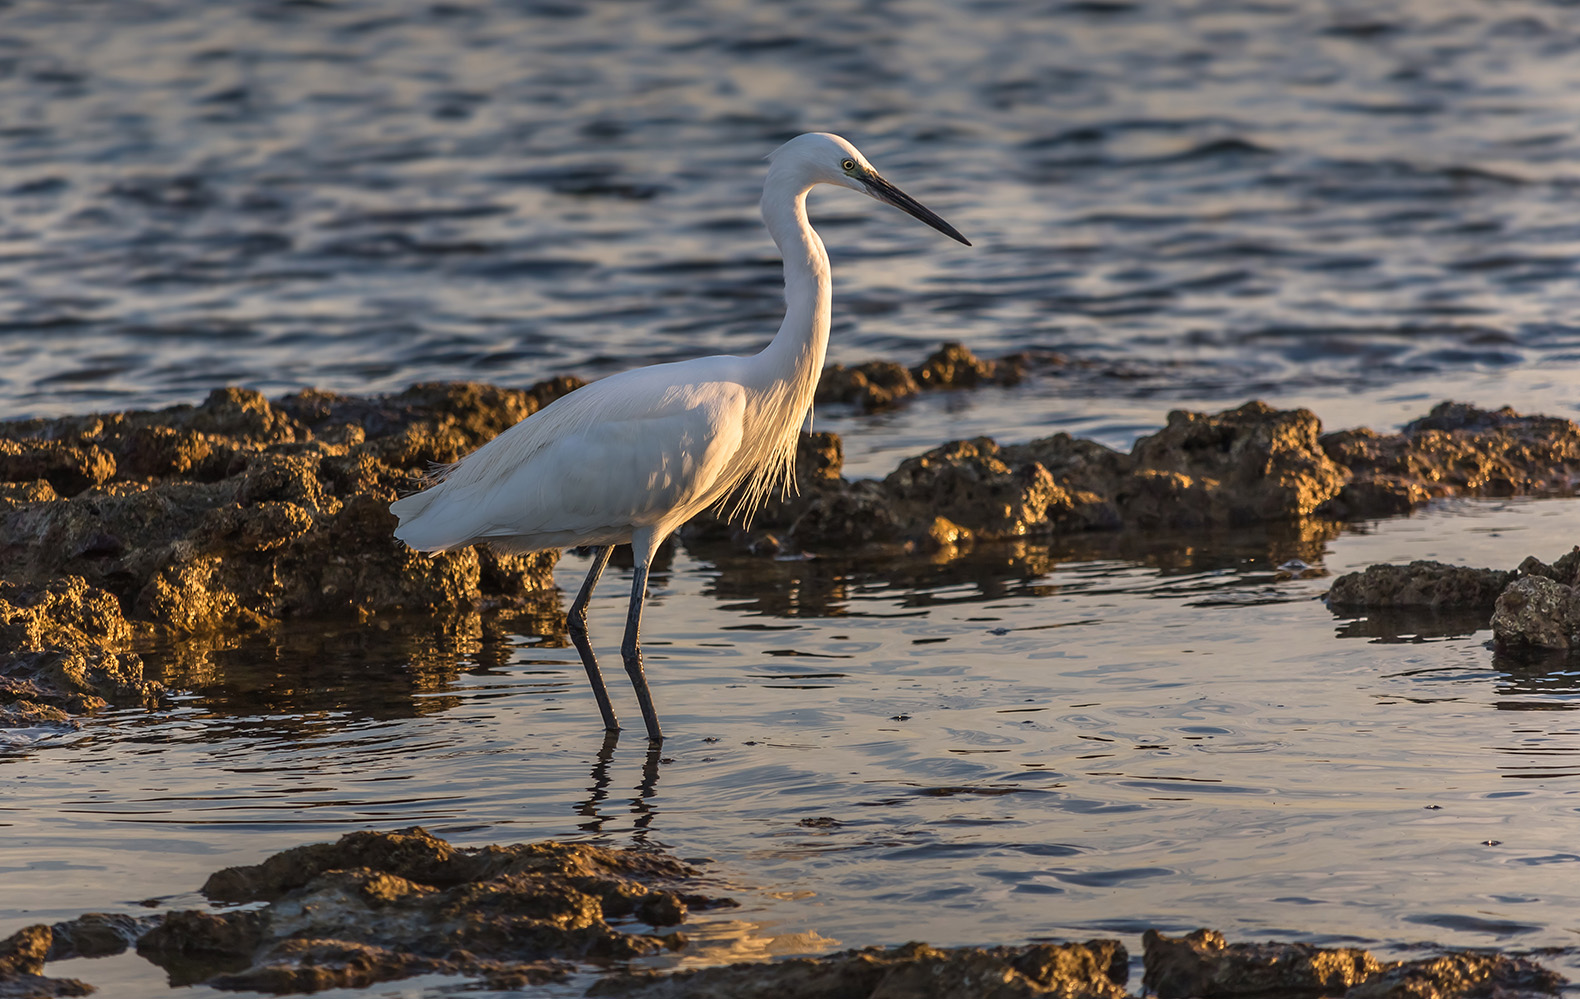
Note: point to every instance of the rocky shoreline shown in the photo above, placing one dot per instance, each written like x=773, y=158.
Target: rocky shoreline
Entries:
x=232, y=516
x=376, y=907
x=199, y=524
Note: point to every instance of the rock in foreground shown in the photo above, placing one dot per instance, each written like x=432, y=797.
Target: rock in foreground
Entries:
x=22, y=976
x=1097, y=969
x=375, y=907
x=1204, y=965
x=1538, y=611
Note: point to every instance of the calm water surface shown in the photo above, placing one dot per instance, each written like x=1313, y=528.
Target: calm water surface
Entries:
x=1028, y=744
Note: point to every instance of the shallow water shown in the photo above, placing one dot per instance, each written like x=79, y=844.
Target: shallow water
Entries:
x=1029, y=743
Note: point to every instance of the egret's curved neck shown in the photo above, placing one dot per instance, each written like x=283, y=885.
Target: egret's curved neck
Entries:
x=798, y=349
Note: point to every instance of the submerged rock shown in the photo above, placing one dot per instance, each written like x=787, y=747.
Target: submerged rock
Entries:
x=374, y=907
x=97, y=934
x=1203, y=964
x=314, y=965
x=1097, y=969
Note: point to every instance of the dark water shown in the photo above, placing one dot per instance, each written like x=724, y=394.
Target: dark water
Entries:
x=1361, y=207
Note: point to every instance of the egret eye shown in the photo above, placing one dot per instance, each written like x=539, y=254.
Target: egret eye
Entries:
x=848, y=165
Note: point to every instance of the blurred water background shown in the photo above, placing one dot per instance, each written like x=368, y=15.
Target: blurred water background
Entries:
x=1359, y=207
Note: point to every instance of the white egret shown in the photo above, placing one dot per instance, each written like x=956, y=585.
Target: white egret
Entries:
x=631, y=457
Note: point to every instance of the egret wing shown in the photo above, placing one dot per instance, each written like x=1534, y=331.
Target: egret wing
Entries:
x=588, y=473
x=595, y=486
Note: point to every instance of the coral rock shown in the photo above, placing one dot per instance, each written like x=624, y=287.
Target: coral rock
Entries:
x=1421, y=584
x=1203, y=964
x=1096, y=969
x=1538, y=611
x=1253, y=463
x=374, y=907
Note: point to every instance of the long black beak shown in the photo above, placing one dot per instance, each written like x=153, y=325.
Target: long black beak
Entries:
x=891, y=195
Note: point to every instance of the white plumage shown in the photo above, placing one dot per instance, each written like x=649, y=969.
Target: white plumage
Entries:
x=638, y=449
x=631, y=457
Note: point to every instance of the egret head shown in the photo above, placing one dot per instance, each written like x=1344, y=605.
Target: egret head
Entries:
x=825, y=158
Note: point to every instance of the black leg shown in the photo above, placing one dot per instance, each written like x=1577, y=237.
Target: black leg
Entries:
x=631, y=651
x=578, y=629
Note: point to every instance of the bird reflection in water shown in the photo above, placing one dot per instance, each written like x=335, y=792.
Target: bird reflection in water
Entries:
x=598, y=793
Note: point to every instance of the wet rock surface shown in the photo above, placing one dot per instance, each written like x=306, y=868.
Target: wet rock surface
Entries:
x=22, y=957
x=1459, y=974
x=62, y=653
x=241, y=512
x=229, y=516
x=374, y=907
x=1096, y=969
x=1243, y=466
x=97, y=934
x=1205, y=965
x=1542, y=607
x=1535, y=605
x=1421, y=584
x=1535, y=610
x=1455, y=450
x=877, y=385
